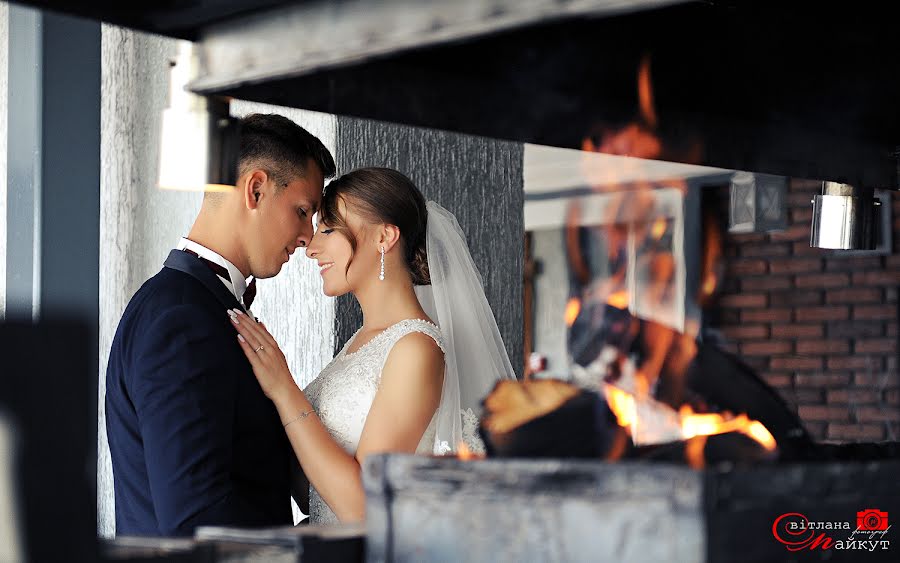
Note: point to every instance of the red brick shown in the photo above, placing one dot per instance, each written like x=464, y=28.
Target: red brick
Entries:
x=853, y=396
x=745, y=300
x=797, y=363
x=795, y=265
x=747, y=267
x=765, y=315
x=827, y=347
x=766, y=348
x=879, y=346
x=765, y=249
x=797, y=331
x=795, y=232
x=824, y=412
x=822, y=280
x=801, y=199
x=854, y=295
x=874, y=312
x=766, y=283
x=855, y=362
x=805, y=250
x=832, y=313
x=806, y=186
x=801, y=214
x=891, y=330
x=823, y=380
x=807, y=395
x=746, y=332
x=892, y=262
x=855, y=329
x=851, y=432
x=855, y=263
x=795, y=298
x=877, y=414
x=876, y=380
x=777, y=379
x=876, y=278
x=892, y=397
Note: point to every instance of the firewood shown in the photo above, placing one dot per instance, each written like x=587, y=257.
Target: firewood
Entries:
x=546, y=418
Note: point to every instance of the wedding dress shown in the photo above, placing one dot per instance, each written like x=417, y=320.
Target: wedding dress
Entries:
x=343, y=393
x=474, y=356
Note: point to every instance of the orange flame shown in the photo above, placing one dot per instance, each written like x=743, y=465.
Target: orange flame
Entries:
x=692, y=424
x=645, y=93
x=659, y=228
x=573, y=307
x=619, y=299
x=464, y=453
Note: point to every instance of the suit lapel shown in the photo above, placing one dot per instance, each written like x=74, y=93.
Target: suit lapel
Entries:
x=192, y=266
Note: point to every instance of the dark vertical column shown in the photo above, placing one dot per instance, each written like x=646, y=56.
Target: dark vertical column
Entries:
x=23, y=157
x=479, y=180
x=53, y=224
x=53, y=214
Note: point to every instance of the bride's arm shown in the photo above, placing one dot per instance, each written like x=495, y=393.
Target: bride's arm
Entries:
x=407, y=398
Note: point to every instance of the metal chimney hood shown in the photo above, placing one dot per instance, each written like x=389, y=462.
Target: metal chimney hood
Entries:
x=803, y=89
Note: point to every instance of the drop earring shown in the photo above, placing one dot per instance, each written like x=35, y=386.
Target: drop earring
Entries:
x=381, y=273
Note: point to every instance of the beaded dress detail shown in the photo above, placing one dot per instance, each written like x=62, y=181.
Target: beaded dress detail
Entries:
x=343, y=393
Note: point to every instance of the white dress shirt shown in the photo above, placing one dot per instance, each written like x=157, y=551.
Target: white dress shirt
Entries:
x=237, y=285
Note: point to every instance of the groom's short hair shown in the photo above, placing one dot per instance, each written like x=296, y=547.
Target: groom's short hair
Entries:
x=282, y=148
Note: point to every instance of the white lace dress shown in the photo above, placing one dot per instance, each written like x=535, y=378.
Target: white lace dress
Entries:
x=343, y=393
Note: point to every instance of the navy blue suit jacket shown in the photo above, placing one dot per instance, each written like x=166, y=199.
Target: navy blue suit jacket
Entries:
x=194, y=440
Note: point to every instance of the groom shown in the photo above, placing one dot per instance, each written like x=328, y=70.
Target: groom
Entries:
x=194, y=440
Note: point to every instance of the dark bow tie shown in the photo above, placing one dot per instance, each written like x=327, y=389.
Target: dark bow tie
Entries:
x=222, y=272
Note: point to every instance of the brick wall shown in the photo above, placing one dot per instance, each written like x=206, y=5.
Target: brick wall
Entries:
x=819, y=327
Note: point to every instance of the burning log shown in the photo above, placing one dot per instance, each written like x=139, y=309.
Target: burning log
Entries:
x=546, y=418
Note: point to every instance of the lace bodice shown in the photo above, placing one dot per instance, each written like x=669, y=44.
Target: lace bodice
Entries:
x=343, y=393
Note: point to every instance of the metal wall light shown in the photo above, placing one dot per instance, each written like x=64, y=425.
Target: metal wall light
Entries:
x=200, y=140
x=844, y=218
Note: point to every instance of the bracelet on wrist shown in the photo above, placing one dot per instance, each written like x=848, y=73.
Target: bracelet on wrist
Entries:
x=300, y=416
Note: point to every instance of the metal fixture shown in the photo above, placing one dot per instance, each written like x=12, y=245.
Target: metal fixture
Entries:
x=757, y=203
x=844, y=218
x=200, y=140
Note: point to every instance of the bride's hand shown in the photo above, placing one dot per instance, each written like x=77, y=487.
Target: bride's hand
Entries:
x=265, y=356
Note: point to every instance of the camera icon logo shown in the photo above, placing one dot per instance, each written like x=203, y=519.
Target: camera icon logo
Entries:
x=871, y=519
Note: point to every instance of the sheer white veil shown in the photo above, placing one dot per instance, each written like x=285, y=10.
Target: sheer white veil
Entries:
x=475, y=358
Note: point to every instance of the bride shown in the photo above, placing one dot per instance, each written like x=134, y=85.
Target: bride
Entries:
x=428, y=350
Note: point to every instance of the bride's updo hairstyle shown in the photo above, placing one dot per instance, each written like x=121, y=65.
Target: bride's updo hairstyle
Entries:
x=382, y=195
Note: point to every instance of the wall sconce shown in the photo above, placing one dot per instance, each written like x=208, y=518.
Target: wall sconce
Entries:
x=200, y=142
x=844, y=218
x=757, y=203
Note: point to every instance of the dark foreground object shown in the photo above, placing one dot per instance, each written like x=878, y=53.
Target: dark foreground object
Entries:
x=444, y=509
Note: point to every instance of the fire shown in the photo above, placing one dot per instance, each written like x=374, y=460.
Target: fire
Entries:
x=464, y=453
x=691, y=424
x=659, y=228
x=645, y=92
x=573, y=307
x=619, y=299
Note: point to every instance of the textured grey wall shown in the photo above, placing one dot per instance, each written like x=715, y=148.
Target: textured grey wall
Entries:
x=551, y=291
x=479, y=180
x=4, y=84
x=296, y=312
x=138, y=222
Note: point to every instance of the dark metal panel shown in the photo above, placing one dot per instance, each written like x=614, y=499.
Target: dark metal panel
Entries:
x=480, y=181
x=746, y=85
x=172, y=18
x=23, y=148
